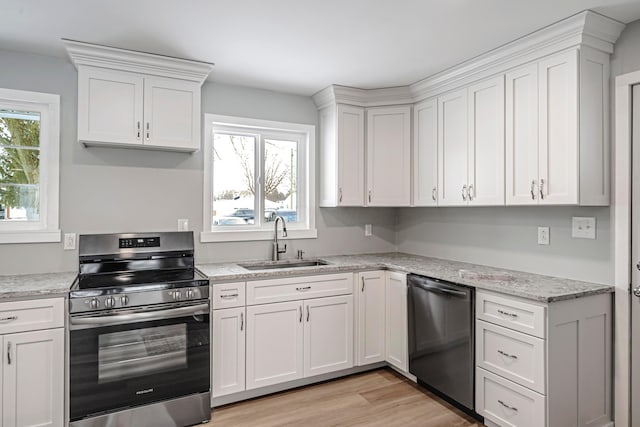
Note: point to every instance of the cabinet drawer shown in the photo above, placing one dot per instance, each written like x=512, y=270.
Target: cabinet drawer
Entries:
x=23, y=316
x=297, y=288
x=511, y=313
x=228, y=295
x=507, y=403
x=513, y=355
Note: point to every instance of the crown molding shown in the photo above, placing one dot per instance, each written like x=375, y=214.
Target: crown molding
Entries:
x=95, y=55
x=585, y=29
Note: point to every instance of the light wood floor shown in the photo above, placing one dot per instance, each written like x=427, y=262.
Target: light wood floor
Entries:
x=377, y=398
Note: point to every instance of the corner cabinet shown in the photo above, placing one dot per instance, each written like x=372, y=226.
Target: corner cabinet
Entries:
x=137, y=100
x=32, y=373
x=396, y=330
x=370, y=290
x=389, y=156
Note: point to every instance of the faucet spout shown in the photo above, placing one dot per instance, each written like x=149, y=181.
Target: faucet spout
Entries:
x=276, y=246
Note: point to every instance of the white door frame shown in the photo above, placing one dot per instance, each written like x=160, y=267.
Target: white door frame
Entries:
x=621, y=205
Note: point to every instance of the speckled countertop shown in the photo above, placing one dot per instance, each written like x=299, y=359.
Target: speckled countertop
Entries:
x=36, y=285
x=525, y=285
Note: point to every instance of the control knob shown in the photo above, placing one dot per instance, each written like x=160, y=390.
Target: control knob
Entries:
x=124, y=300
x=190, y=294
x=110, y=302
x=94, y=303
x=177, y=295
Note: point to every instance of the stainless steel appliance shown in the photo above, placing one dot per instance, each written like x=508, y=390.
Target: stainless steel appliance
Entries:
x=441, y=338
x=139, y=351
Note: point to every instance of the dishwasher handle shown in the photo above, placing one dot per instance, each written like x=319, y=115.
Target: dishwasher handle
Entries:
x=433, y=286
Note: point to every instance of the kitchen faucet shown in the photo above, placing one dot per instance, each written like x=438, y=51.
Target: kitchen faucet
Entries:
x=276, y=247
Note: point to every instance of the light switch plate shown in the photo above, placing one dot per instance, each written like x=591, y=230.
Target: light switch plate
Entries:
x=367, y=229
x=583, y=227
x=543, y=235
x=183, y=224
x=69, y=241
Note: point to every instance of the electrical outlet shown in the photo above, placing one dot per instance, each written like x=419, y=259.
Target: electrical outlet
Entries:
x=69, y=241
x=183, y=224
x=367, y=229
x=543, y=235
x=583, y=227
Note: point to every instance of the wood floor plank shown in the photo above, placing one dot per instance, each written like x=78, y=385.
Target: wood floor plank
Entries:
x=378, y=398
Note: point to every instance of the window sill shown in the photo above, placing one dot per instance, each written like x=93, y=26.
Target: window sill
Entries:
x=253, y=235
x=43, y=236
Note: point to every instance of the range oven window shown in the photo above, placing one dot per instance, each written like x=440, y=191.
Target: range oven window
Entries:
x=139, y=352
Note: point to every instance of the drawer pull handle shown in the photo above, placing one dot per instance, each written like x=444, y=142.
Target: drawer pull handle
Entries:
x=8, y=319
x=228, y=296
x=506, y=313
x=513, y=356
x=306, y=288
x=513, y=408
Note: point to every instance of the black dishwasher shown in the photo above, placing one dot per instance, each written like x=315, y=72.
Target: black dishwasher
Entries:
x=441, y=339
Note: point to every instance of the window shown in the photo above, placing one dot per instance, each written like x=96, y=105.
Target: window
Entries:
x=29, y=166
x=255, y=171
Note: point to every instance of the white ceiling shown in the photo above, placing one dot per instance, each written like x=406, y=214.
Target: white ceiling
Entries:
x=296, y=46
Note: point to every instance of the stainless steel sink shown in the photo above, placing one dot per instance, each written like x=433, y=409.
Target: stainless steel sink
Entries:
x=287, y=263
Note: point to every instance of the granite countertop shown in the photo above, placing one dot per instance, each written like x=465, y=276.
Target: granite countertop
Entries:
x=525, y=285
x=36, y=285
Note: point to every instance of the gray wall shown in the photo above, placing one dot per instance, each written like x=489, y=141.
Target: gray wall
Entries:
x=105, y=190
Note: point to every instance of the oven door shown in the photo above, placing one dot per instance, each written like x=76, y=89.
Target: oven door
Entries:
x=133, y=357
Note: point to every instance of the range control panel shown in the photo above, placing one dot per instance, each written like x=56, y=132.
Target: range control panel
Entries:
x=137, y=242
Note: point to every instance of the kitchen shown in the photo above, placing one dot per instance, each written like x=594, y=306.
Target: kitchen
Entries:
x=106, y=190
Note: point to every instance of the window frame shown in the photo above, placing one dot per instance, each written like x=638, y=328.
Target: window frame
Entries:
x=47, y=228
x=305, y=229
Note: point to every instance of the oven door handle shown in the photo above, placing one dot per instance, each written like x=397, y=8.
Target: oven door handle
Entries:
x=116, y=319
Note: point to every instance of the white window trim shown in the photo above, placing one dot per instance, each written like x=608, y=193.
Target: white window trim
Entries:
x=47, y=229
x=307, y=231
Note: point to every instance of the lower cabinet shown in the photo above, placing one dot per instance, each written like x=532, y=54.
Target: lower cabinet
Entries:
x=296, y=339
x=229, y=326
x=33, y=379
x=370, y=291
x=396, y=321
x=543, y=364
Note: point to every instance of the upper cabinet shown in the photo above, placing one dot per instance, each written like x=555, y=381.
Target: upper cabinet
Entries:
x=137, y=100
x=389, y=156
x=524, y=124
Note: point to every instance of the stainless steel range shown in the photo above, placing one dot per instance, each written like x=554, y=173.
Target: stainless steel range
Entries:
x=139, y=333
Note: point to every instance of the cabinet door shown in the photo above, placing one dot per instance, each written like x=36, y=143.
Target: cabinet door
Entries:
x=350, y=155
x=109, y=106
x=522, y=136
x=172, y=113
x=396, y=320
x=371, y=315
x=389, y=156
x=328, y=335
x=558, y=127
x=228, y=351
x=33, y=379
x=486, y=142
x=274, y=343
x=452, y=148
x=425, y=153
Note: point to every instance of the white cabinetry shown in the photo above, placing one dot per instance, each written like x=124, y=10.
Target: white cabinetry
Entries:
x=138, y=100
x=309, y=333
x=396, y=332
x=370, y=291
x=33, y=363
x=342, y=156
x=471, y=145
x=557, y=130
x=543, y=364
x=425, y=153
x=389, y=156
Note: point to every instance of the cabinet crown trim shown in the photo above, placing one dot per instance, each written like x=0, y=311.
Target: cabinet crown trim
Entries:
x=585, y=29
x=95, y=55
